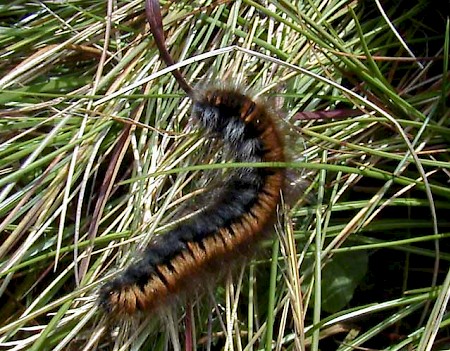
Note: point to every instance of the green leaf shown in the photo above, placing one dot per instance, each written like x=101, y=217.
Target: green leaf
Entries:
x=340, y=279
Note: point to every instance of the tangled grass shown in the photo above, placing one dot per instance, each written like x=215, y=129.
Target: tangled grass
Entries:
x=98, y=155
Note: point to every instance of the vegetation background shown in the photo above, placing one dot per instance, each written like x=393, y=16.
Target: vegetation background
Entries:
x=98, y=154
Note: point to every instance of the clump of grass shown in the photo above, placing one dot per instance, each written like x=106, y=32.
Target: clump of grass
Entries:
x=97, y=155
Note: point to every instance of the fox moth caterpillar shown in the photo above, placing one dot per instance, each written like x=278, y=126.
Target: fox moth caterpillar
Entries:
x=245, y=208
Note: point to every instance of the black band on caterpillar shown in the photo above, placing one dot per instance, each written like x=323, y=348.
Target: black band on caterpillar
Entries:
x=246, y=207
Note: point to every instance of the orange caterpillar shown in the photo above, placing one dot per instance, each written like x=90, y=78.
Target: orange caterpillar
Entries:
x=175, y=263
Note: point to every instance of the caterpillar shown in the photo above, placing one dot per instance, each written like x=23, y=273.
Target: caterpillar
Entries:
x=245, y=208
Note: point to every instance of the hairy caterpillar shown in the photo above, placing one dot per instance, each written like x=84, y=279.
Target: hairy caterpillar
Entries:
x=175, y=262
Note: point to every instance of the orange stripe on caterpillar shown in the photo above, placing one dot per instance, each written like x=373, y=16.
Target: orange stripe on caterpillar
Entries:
x=176, y=262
